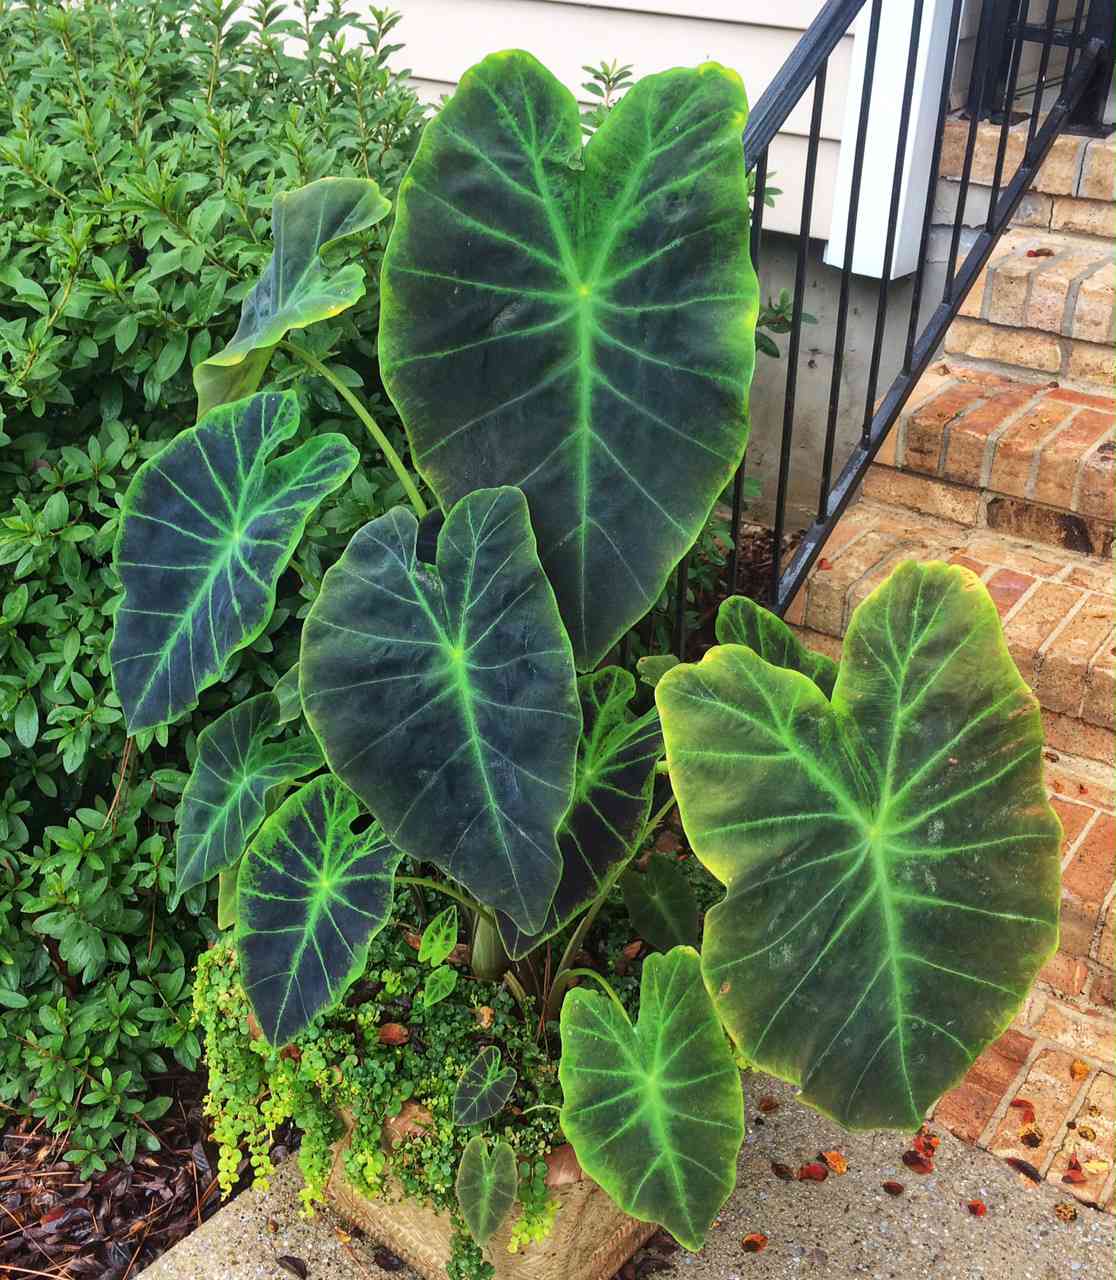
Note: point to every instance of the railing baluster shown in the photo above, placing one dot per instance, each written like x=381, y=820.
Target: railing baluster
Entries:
x=1005, y=124
x=846, y=266
x=1044, y=65
x=892, y=219
x=932, y=184
x=796, y=329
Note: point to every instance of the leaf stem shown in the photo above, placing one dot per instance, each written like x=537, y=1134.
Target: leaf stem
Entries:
x=440, y=886
x=394, y=460
x=608, y=989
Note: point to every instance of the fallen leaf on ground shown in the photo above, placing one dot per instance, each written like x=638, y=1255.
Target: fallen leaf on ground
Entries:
x=1025, y=1167
x=1031, y=1136
x=633, y=949
x=1095, y=1166
x=917, y=1162
x=814, y=1171
x=294, y=1266
x=1086, y=1133
x=393, y=1033
x=1074, y=1173
x=836, y=1161
x=1028, y=1109
x=783, y=1171
x=412, y=939
x=767, y=1104
x=1065, y=1212
x=1040, y=253
x=893, y=1188
x=754, y=1242
x=926, y=1143
x=1078, y=1069
x=977, y=1208
x=485, y=1016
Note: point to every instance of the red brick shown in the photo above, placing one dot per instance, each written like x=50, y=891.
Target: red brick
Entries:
x=926, y=426
x=968, y=563
x=1077, y=924
x=1081, y=1032
x=1081, y=398
x=1105, y=944
x=1015, y=449
x=1000, y=1063
x=1061, y=458
x=968, y=436
x=1007, y=588
x=1100, y=992
x=1067, y=656
x=1065, y=973
x=966, y=1110
x=1077, y=737
x=1099, y=705
x=1090, y=1140
x=1074, y=818
x=1094, y=481
x=1089, y=874
x=1037, y=617
x=1050, y=1089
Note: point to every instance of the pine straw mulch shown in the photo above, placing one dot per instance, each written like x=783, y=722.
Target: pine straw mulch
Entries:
x=109, y=1226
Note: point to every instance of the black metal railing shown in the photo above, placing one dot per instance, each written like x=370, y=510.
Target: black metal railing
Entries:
x=1088, y=60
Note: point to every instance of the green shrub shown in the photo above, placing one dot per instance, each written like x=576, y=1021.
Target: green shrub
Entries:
x=141, y=144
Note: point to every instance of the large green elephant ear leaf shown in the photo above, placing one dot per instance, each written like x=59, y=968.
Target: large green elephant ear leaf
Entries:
x=486, y=1185
x=661, y=903
x=312, y=894
x=444, y=694
x=237, y=768
x=298, y=286
x=891, y=859
x=581, y=325
x=742, y=621
x=655, y=1111
x=612, y=798
x=207, y=527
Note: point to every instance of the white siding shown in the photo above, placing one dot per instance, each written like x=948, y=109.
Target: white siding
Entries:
x=443, y=38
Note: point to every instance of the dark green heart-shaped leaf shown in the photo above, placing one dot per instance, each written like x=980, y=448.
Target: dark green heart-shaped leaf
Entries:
x=287, y=695
x=486, y=1186
x=207, y=527
x=742, y=621
x=484, y=1088
x=313, y=893
x=654, y=1112
x=439, y=937
x=612, y=797
x=891, y=859
x=579, y=324
x=661, y=903
x=236, y=770
x=298, y=286
x=445, y=696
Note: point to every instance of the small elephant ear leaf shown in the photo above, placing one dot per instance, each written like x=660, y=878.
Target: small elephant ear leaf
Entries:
x=742, y=621
x=207, y=527
x=661, y=903
x=487, y=1182
x=285, y=691
x=298, y=286
x=484, y=1088
x=445, y=696
x=891, y=858
x=612, y=798
x=439, y=937
x=236, y=769
x=655, y=1111
x=578, y=322
x=312, y=894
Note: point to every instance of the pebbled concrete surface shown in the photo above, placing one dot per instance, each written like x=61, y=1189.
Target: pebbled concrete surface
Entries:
x=846, y=1226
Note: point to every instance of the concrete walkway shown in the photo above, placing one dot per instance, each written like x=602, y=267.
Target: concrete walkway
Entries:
x=845, y=1226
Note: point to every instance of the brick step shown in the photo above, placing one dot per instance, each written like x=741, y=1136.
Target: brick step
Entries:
x=1008, y=348
x=979, y=449
x=1057, y=609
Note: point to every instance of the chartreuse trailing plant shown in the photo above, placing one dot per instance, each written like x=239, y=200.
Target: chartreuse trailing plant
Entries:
x=568, y=333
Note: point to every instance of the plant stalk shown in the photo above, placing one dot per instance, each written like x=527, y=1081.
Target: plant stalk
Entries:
x=440, y=886
x=394, y=460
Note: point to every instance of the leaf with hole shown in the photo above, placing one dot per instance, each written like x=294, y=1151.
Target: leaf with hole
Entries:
x=237, y=769
x=661, y=903
x=439, y=937
x=612, y=798
x=891, y=859
x=313, y=893
x=207, y=526
x=299, y=286
x=742, y=621
x=487, y=1182
x=579, y=322
x=654, y=1111
x=444, y=695
x=484, y=1088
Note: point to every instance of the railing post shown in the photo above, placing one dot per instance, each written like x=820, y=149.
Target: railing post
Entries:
x=1088, y=115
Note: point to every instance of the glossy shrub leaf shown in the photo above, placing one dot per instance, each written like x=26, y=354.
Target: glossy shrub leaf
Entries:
x=891, y=859
x=313, y=893
x=487, y=1182
x=439, y=937
x=661, y=903
x=612, y=797
x=654, y=1111
x=287, y=695
x=439, y=984
x=579, y=323
x=207, y=527
x=742, y=621
x=444, y=695
x=298, y=286
x=237, y=768
x=484, y=1088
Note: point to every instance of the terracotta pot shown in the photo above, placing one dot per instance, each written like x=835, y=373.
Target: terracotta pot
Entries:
x=590, y=1240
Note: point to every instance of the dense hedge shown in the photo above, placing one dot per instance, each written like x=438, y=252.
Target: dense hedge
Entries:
x=141, y=143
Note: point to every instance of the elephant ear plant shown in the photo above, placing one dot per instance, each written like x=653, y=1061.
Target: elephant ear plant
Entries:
x=568, y=332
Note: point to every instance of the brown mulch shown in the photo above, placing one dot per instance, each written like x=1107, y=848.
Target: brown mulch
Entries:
x=112, y=1224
